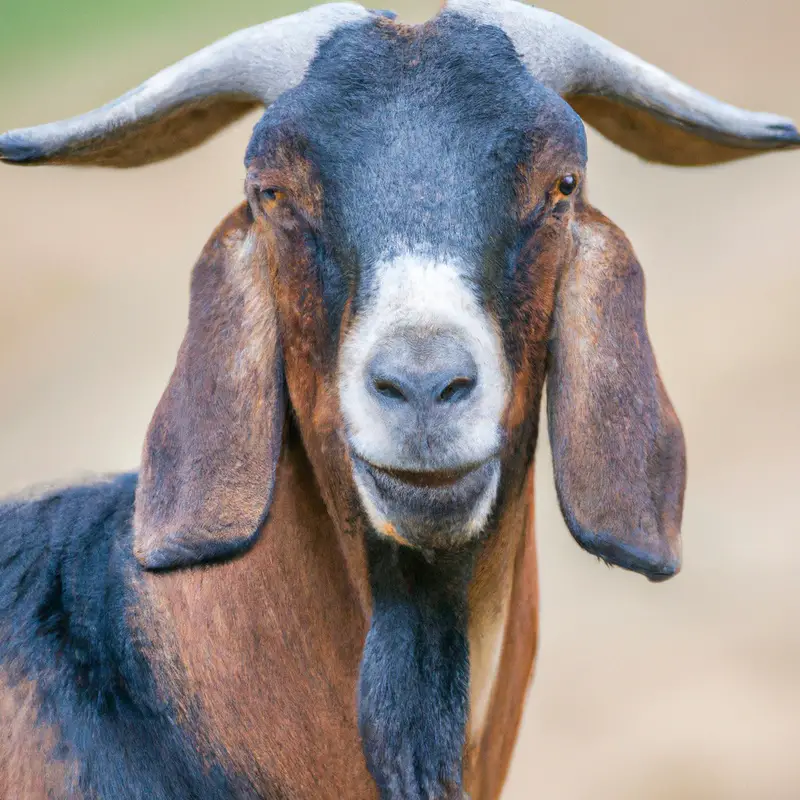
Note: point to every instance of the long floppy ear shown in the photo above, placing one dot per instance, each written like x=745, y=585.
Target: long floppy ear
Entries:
x=211, y=452
x=618, y=449
x=635, y=104
x=185, y=104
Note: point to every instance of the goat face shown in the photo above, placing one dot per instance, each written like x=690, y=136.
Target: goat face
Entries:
x=408, y=192
x=418, y=254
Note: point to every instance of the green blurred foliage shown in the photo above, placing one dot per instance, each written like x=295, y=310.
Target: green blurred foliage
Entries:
x=36, y=30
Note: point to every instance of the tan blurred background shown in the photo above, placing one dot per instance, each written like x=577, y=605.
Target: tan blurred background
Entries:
x=684, y=691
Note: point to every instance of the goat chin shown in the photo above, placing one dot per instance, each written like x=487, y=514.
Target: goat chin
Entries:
x=428, y=510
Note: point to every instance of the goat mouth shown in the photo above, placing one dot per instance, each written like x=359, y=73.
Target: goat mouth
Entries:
x=428, y=481
x=434, y=479
x=431, y=508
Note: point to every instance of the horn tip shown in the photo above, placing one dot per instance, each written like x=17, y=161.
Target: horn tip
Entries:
x=771, y=130
x=16, y=148
x=785, y=131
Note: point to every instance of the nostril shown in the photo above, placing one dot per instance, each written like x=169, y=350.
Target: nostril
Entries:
x=388, y=389
x=458, y=389
x=419, y=373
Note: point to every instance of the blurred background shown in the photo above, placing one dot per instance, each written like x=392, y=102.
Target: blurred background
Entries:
x=688, y=690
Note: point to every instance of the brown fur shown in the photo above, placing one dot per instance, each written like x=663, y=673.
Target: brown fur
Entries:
x=504, y=585
x=395, y=29
x=504, y=588
x=270, y=645
x=618, y=448
x=262, y=652
x=541, y=263
x=492, y=757
x=209, y=458
x=310, y=360
x=305, y=576
x=29, y=769
x=248, y=673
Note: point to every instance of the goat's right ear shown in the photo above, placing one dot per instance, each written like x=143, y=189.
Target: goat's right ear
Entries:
x=211, y=452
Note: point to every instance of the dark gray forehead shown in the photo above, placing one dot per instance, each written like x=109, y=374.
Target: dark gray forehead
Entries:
x=417, y=133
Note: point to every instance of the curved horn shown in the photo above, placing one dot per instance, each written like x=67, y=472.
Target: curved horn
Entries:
x=631, y=102
x=186, y=103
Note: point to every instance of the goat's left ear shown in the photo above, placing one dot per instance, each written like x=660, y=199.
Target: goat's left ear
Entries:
x=210, y=457
x=618, y=449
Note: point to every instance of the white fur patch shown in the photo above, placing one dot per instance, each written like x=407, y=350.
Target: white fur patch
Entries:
x=417, y=292
x=481, y=512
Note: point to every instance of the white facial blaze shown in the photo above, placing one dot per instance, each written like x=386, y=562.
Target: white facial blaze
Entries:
x=417, y=293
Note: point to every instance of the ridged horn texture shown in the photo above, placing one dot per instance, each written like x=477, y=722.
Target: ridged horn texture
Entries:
x=636, y=105
x=186, y=103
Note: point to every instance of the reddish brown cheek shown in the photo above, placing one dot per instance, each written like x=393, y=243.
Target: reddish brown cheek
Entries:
x=311, y=373
x=534, y=291
x=309, y=354
x=309, y=362
x=299, y=315
x=534, y=297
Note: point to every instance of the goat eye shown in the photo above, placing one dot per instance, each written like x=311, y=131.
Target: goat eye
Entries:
x=567, y=184
x=269, y=194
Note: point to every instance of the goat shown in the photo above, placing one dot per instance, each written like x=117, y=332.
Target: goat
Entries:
x=322, y=581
